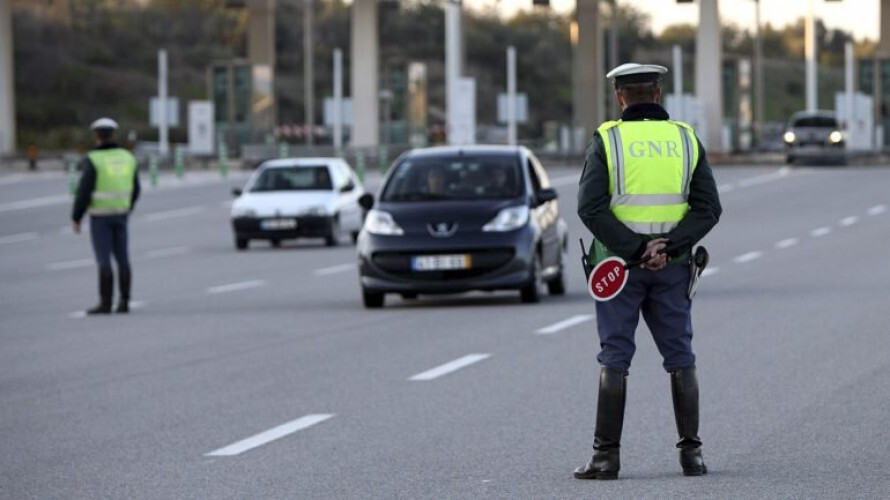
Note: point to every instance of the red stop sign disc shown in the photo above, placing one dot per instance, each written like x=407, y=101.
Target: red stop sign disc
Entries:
x=607, y=279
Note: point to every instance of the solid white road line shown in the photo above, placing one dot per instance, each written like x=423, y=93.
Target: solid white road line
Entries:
x=449, y=367
x=69, y=264
x=820, y=231
x=748, y=257
x=562, y=325
x=849, y=221
x=877, y=209
x=269, y=435
x=35, y=202
x=787, y=243
x=166, y=252
x=172, y=214
x=710, y=271
x=17, y=238
x=333, y=269
x=233, y=287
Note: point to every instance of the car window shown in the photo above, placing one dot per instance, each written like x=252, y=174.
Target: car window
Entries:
x=533, y=175
x=543, y=179
x=815, y=121
x=454, y=178
x=293, y=179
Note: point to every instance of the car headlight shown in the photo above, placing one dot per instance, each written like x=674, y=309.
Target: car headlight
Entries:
x=508, y=219
x=382, y=223
x=835, y=137
x=243, y=212
x=789, y=137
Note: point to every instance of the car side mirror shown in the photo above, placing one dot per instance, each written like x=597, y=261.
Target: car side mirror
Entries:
x=349, y=186
x=366, y=201
x=545, y=195
x=236, y=191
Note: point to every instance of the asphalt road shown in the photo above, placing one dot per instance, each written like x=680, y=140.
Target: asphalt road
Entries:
x=258, y=374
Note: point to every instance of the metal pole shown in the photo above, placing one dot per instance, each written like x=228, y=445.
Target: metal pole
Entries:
x=308, y=69
x=613, y=52
x=511, y=95
x=848, y=85
x=7, y=81
x=163, y=143
x=810, y=42
x=338, y=99
x=452, y=62
x=758, y=79
x=680, y=110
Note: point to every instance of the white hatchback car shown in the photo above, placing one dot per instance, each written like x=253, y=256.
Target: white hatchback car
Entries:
x=298, y=198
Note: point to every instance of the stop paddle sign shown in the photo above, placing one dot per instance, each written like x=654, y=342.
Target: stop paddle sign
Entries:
x=607, y=279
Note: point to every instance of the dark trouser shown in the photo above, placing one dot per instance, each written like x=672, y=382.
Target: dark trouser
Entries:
x=661, y=297
x=109, y=236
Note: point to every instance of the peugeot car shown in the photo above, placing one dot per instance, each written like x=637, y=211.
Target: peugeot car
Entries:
x=455, y=219
x=298, y=198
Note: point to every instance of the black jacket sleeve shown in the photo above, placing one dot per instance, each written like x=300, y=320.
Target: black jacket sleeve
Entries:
x=84, y=190
x=136, y=190
x=594, y=206
x=704, y=207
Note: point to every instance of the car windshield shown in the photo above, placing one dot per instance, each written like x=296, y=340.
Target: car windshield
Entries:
x=455, y=178
x=293, y=179
x=815, y=121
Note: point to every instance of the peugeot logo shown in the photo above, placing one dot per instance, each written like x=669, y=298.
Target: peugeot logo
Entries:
x=442, y=229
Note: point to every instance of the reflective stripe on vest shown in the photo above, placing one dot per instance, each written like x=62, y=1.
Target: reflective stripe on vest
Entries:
x=115, y=171
x=650, y=166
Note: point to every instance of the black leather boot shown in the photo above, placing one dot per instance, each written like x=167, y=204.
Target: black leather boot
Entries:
x=684, y=389
x=124, y=281
x=106, y=289
x=605, y=462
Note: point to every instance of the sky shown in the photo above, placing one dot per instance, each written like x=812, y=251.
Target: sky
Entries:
x=859, y=16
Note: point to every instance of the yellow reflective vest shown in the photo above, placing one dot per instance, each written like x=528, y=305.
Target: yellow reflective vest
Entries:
x=115, y=174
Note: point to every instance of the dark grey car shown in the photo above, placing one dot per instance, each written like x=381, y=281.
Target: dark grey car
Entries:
x=814, y=135
x=455, y=219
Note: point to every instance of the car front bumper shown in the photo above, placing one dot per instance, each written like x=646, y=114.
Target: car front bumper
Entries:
x=306, y=227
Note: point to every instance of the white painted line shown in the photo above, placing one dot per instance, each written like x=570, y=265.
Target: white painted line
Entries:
x=69, y=264
x=710, y=271
x=820, y=231
x=333, y=269
x=877, y=209
x=562, y=325
x=166, y=252
x=17, y=238
x=172, y=214
x=849, y=221
x=35, y=202
x=137, y=304
x=787, y=243
x=269, y=435
x=725, y=188
x=449, y=367
x=232, y=287
x=78, y=314
x=761, y=179
x=748, y=257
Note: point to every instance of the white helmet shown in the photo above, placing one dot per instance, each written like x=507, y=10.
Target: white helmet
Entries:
x=104, y=123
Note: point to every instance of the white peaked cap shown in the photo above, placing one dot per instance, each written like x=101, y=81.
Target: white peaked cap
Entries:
x=637, y=73
x=104, y=123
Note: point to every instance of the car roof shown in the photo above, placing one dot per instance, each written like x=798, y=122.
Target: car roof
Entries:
x=300, y=162
x=820, y=112
x=478, y=150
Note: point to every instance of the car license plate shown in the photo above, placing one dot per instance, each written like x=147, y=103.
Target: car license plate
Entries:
x=440, y=262
x=274, y=224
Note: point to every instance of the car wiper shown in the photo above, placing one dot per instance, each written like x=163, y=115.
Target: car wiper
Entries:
x=418, y=196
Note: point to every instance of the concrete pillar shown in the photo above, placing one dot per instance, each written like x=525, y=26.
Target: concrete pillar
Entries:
x=261, y=54
x=884, y=43
x=7, y=81
x=587, y=74
x=709, y=73
x=810, y=53
x=364, y=73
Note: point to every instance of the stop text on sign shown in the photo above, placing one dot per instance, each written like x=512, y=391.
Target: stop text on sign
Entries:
x=607, y=279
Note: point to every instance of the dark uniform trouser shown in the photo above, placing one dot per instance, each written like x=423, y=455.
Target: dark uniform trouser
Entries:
x=661, y=297
x=109, y=237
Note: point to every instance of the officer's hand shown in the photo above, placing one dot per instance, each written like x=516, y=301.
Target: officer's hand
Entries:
x=657, y=261
x=76, y=226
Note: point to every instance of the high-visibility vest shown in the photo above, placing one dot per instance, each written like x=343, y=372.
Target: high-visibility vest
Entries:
x=115, y=173
x=650, y=166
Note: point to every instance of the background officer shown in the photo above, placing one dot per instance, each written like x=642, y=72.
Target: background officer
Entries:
x=108, y=190
x=646, y=185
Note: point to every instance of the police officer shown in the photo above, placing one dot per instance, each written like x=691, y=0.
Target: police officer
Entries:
x=108, y=190
x=646, y=191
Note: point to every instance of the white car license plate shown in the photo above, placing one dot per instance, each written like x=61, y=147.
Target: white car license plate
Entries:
x=273, y=224
x=440, y=262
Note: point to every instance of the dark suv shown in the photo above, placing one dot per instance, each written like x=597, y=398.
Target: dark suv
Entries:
x=815, y=135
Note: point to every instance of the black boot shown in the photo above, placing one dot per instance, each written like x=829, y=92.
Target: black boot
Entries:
x=106, y=289
x=124, y=280
x=684, y=389
x=605, y=462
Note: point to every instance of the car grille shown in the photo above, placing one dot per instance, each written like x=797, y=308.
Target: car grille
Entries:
x=483, y=262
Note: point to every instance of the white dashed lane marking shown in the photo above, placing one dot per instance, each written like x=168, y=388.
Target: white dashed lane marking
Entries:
x=342, y=268
x=877, y=209
x=710, y=271
x=787, y=243
x=849, y=221
x=820, y=232
x=234, y=287
x=166, y=252
x=449, y=367
x=17, y=238
x=748, y=257
x=69, y=264
x=562, y=325
x=172, y=214
x=269, y=435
